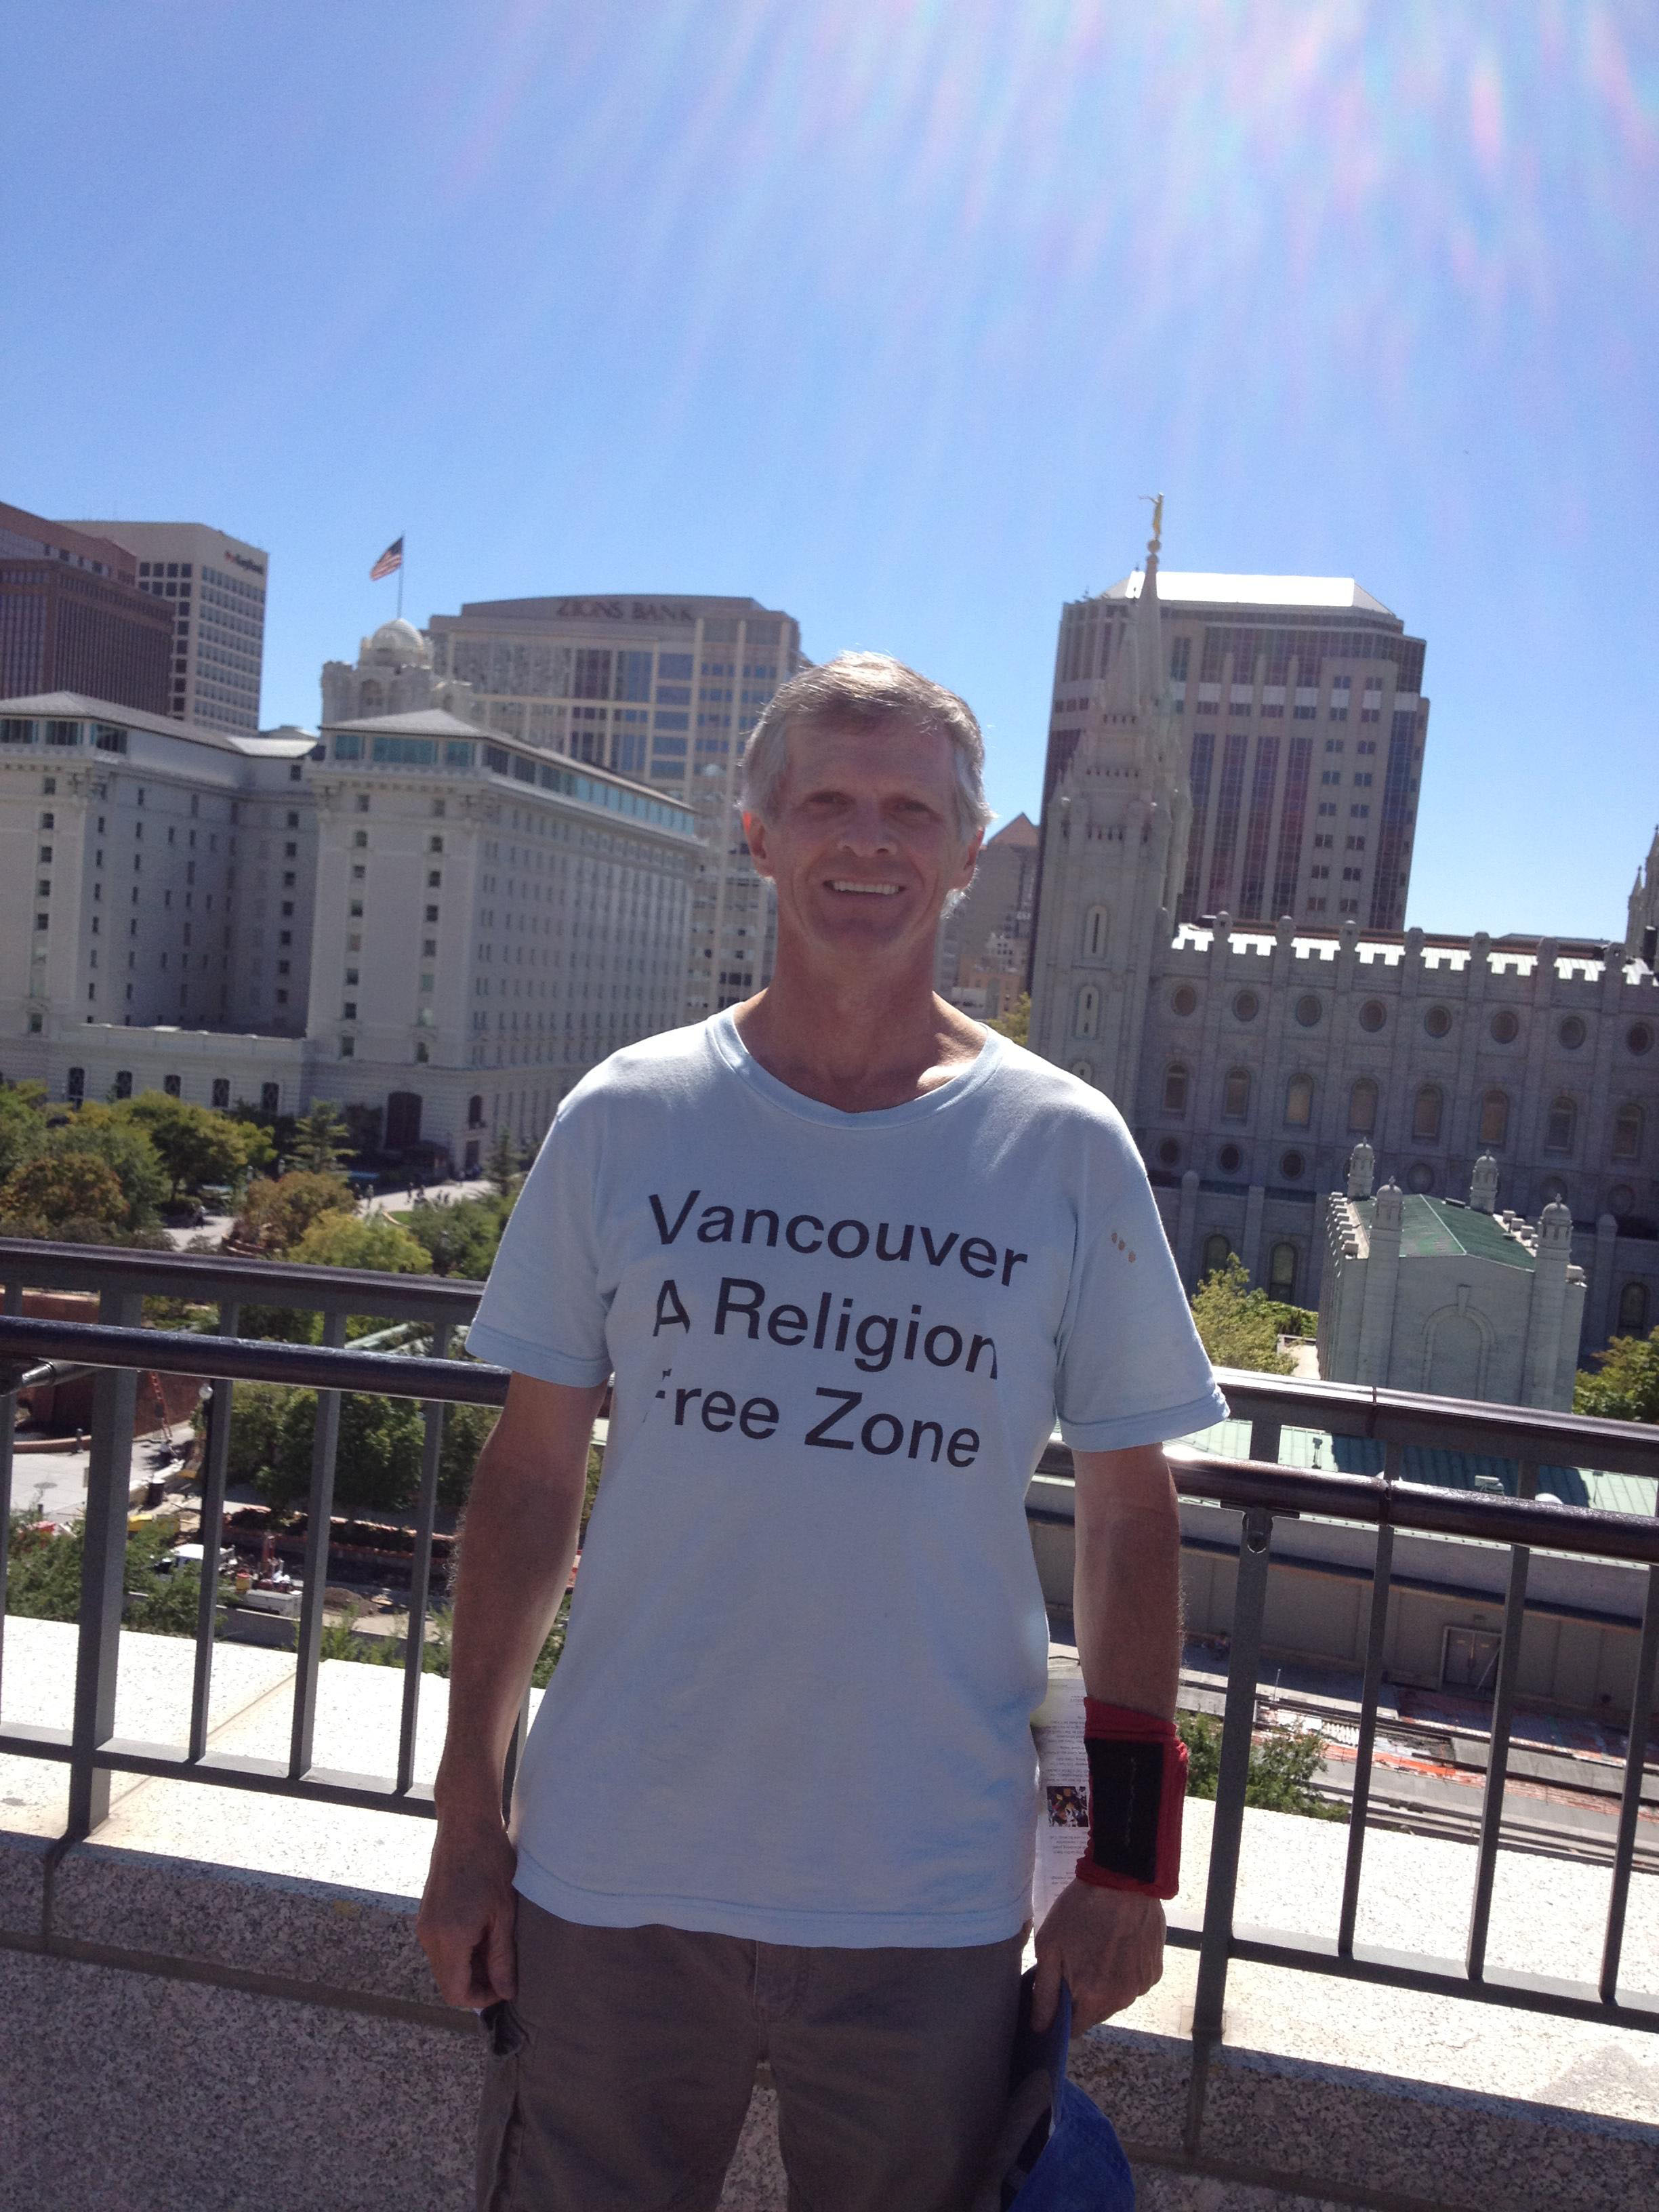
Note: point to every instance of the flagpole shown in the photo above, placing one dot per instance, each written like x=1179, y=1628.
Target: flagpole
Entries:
x=403, y=542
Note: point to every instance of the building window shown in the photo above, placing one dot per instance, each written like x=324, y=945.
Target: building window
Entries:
x=1640, y=1038
x=1185, y=1000
x=1281, y=1273
x=1438, y=1021
x=1494, y=1117
x=222, y=1092
x=1084, y=1070
x=1362, y=1107
x=173, y=1084
x=124, y=1083
x=1308, y=1010
x=1421, y=1178
x=1571, y=1032
x=1217, y=1252
x=1246, y=1006
x=1094, y=934
x=348, y=1048
x=1627, y=1132
x=1504, y=1026
x=1175, y=1088
x=1372, y=1015
x=1633, y=1310
x=1298, y=1102
x=1229, y=1159
x=1293, y=1166
x=1561, y=1125
x=1087, y=1023
x=1235, y=1095
x=74, y=1082
x=1169, y=1153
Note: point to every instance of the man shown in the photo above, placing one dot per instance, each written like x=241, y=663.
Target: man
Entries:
x=846, y=1253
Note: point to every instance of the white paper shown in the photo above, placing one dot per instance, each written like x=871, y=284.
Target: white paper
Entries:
x=1062, y=1834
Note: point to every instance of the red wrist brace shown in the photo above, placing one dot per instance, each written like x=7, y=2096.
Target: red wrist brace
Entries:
x=1137, y=1786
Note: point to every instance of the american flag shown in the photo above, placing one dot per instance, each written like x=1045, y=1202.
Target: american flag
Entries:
x=390, y=559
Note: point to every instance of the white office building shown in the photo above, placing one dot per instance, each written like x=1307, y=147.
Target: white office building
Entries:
x=663, y=687
x=411, y=915
x=217, y=587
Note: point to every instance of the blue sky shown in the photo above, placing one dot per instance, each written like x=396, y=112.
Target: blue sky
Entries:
x=887, y=314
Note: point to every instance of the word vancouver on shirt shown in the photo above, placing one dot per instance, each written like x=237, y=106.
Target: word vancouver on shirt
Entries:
x=808, y=1635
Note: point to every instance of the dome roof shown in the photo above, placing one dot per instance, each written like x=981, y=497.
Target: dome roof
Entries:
x=400, y=642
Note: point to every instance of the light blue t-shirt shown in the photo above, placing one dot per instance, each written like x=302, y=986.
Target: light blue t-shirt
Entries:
x=808, y=1637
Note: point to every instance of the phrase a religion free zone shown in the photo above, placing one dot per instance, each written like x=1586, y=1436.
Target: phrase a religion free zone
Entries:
x=872, y=1341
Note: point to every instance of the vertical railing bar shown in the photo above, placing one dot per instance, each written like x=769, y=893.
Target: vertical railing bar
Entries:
x=1238, y=1722
x=514, y=1752
x=13, y=1304
x=325, y=1443
x=216, y=1457
x=420, y=1570
x=1376, y=1646
x=1636, y=1758
x=1492, y=1808
x=103, y=1572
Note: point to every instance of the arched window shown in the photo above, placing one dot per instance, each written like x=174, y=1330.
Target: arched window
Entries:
x=1217, y=1252
x=1281, y=1273
x=1175, y=1088
x=1235, y=1095
x=1094, y=933
x=1627, y=1132
x=1562, y=1121
x=1426, y=1113
x=1362, y=1107
x=475, y=1111
x=1298, y=1102
x=1084, y=1070
x=1494, y=1117
x=1633, y=1310
x=1088, y=1012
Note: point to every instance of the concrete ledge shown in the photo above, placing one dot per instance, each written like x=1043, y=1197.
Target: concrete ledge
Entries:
x=218, y=2001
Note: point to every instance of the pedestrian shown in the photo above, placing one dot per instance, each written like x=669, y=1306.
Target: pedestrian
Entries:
x=847, y=1256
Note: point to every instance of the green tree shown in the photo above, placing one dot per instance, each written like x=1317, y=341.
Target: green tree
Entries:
x=370, y=1240
x=377, y=1464
x=108, y=1134
x=1016, y=1023
x=461, y=1239
x=276, y=1214
x=1282, y=1767
x=502, y=1162
x=59, y=1188
x=22, y=1125
x=194, y=1144
x=466, y=1431
x=1628, y=1387
x=321, y=1139
x=1238, y=1326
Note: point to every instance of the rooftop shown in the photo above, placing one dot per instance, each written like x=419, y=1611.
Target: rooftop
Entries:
x=288, y=743
x=1205, y=587
x=1444, y=1228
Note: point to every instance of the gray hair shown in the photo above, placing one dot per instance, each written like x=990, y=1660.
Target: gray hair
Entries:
x=871, y=690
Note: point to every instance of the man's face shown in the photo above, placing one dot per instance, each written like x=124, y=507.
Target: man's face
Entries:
x=864, y=847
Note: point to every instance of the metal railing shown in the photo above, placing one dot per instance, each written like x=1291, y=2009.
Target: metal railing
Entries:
x=1260, y=1491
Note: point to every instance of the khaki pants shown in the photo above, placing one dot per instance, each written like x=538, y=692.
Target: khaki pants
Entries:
x=619, y=2078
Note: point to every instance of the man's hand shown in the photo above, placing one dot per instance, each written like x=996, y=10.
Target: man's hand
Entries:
x=1106, y=1945
x=467, y=1910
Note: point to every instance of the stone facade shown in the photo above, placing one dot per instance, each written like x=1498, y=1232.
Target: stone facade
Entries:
x=1247, y=1058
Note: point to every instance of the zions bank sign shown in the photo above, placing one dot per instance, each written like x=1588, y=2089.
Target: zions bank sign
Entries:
x=639, y=610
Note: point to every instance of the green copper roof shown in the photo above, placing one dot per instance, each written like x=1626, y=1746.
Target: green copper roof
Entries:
x=1439, y=1229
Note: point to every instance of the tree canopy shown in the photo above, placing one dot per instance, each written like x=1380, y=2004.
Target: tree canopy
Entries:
x=194, y=1144
x=350, y=1240
x=1628, y=1387
x=1238, y=1327
x=1016, y=1023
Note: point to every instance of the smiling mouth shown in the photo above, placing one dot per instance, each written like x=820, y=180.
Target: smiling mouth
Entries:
x=866, y=890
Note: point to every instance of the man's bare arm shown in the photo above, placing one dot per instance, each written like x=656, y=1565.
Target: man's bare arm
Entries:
x=1107, y=1945
x=522, y=1522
